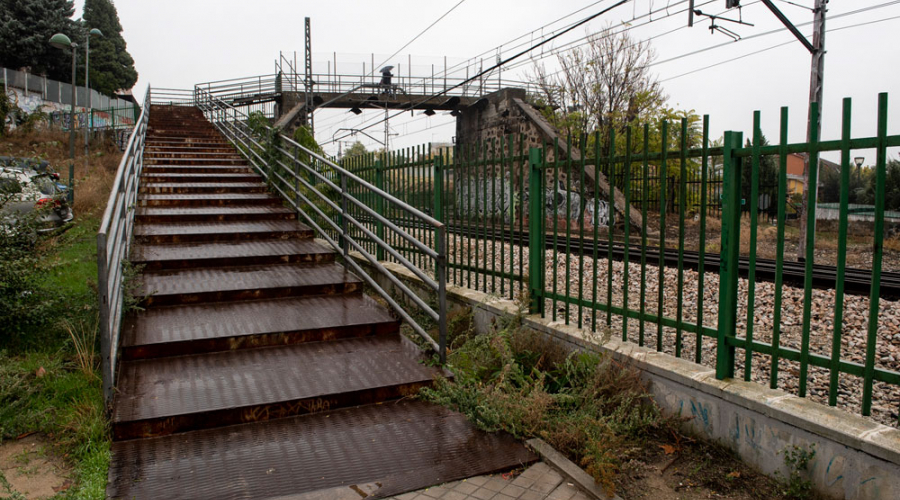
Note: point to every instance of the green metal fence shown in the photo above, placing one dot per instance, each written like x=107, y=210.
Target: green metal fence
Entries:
x=538, y=223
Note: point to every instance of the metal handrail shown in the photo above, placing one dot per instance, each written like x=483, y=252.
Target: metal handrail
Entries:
x=233, y=124
x=235, y=88
x=172, y=97
x=113, y=243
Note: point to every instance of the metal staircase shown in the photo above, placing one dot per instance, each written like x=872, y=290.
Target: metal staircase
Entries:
x=258, y=368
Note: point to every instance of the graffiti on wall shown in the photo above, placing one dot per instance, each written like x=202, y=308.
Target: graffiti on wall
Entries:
x=59, y=115
x=496, y=198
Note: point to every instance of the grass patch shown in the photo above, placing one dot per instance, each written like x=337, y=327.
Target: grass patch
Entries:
x=49, y=379
x=587, y=405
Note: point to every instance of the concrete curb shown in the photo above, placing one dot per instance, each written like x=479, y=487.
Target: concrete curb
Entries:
x=569, y=470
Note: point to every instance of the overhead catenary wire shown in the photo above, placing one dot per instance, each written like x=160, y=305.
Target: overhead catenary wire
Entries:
x=829, y=30
x=649, y=15
x=569, y=46
x=501, y=63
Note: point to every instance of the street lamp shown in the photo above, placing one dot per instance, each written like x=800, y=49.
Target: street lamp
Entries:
x=62, y=42
x=858, y=161
x=87, y=86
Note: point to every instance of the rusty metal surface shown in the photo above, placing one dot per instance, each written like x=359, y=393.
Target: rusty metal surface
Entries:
x=178, y=330
x=175, y=232
x=200, y=177
x=181, y=200
x=206, y=169
x=179, y=393
x=193, y=286
x=160, y=256
x=203, y=187
x=210, y=214
x=235, y=343
x=403, y=446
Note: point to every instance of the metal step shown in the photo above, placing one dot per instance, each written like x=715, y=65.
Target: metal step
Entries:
x=194, y=161
x=198, y=286
x=180, y=330
x=401, y=447
x=193, y=200
x=202, y=187
x=164, y=256
x=184, y=232
x=199, y=177
x=158, y=397
x=229, y=213
x=191, y=154
x=196, y=169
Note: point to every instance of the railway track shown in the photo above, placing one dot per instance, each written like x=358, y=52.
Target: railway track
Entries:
x=856, y=281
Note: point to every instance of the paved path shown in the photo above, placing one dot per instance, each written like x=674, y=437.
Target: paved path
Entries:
x=538, y=482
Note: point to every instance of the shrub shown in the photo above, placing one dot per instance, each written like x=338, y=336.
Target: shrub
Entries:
x=25, y=305
x=585, y=404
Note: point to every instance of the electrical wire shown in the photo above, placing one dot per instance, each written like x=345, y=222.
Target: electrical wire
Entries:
x=828, y=30
x=407, y=44
x=570, y=47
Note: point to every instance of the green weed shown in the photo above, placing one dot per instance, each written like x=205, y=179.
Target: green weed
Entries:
x=585, y=404
x=48, y=376
x=797, y=483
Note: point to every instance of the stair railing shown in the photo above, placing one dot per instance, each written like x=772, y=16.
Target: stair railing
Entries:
x=113, y=244
x=302, y=176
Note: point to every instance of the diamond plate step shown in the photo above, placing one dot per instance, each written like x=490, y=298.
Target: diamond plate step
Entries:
x=164, y=396
x=194, y=161
x=232, y=155
x=158, y=148
x=198, y=286
x=180, y=330
x=184, y=200
x=402, y=446
x=202, y=187
x=183, y=232
x=196, y=169
x=230, y=213
x=163, y=256
x=199, y=177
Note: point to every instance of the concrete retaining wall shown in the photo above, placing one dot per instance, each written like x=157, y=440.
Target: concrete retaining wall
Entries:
x=856, y=458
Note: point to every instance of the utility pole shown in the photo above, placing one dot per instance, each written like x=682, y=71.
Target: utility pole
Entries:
x=387, y=129
x=816, y=84
x=308, y=83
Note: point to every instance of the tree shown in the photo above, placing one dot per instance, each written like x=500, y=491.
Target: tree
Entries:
x=605, y=84
x=25, y=30
x=768, y=179
x=112, y=67
x=355, y=149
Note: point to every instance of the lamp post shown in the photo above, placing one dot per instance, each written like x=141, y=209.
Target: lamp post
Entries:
x=62, y=42
x=87, y=86
x=859, y=162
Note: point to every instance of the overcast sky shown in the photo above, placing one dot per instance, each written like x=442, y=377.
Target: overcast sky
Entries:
x=180, y=43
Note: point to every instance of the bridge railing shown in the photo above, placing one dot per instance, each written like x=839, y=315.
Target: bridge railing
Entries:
x=251, y=89
x=322, y=194
x=113, y=244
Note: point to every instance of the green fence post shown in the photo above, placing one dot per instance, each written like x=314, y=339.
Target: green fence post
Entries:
x=379, y=209
x=536, y=230
x=438, y=180
x=731, y=245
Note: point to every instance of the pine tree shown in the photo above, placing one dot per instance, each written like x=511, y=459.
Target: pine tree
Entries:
x=112, y=67
x=25, y=30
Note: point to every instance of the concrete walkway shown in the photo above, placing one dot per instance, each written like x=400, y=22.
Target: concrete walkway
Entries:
x=538, y=482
